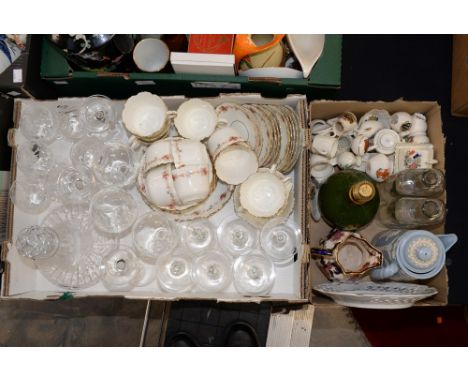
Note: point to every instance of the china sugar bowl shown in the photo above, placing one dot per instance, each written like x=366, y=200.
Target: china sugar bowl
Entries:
x=146, y=116
x=265, y=193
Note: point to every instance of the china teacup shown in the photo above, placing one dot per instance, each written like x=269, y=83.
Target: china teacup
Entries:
x=401, y=121
x=316, y=159
x=158, y=153
x=188, y=152
x=222, y=138
x=192, y=183
x=348, y=160
x=196, y=119
x=345, y=123
x=325, y=145
x=159, y=187
x=360, y=145
x=379, y=167
x=370, y=128
x=236, y=163
x=418, y=126
x=265, y=193
x=319, y=126
x=145, y=115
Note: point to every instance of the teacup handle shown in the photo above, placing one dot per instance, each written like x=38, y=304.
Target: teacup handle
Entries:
x=316, y=251
x=221, y=123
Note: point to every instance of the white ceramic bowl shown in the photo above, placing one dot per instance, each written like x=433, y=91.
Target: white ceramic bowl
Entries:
x=151, y=55
x=196, y=119
x=236, y=163
x=146, y=116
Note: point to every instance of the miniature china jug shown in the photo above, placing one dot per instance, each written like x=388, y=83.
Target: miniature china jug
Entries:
x=346, y=255
x=411, y=255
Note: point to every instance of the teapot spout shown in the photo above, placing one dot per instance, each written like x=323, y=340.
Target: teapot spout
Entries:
x=448, y=240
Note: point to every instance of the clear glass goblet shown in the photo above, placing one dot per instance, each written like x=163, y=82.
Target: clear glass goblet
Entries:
x=113, y=210
x=38, y=123
x=280, y=241
x=213, y=271
x=34, y=159
x=70, y=122
x=75, y=186
x=236, y=236
x=98, y=114
x=254, y=274
x=85, y=152
x=122, y=270
x=154, y=235
x=198, y=236
x=31, y=198
x=174, y=272
x=116, y=165
x=37, y=242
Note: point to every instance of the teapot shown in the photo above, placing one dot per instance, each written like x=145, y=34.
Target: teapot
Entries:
x=411, y=255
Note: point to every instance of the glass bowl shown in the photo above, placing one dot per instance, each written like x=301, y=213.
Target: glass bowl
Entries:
x=254, y=274
x=236, y=236
x=77, y=263
x=174, y=272
x=84, y=153
x=154, y=235
x=213, y=271
x=38, y=123
x=34, y=159
x=37, y=243
x=113, y=210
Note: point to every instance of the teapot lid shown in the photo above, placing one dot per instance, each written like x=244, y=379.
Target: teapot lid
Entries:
x=421, y=254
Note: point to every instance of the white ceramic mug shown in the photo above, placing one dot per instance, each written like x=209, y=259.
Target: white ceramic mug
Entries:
x=221, y=138
x=360, y=145
x=345, y=123
x=192, y=183
x=151, y=55
x=379, y=167
x=325, y=145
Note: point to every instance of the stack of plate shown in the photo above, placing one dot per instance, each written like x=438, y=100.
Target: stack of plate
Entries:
x=272, y=131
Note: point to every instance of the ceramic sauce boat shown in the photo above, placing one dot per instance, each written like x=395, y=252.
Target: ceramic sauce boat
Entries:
x=346, y=255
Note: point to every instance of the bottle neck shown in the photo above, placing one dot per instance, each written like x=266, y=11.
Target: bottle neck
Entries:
x=362, y=192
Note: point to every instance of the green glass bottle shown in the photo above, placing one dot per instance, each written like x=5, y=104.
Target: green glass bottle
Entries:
x=348, y=200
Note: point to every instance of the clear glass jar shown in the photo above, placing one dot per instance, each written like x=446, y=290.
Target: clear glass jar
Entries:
x=408, y=212
x=425, y=182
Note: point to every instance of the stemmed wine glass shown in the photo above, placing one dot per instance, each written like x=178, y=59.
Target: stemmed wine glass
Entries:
x=236, y=236
x=123, y=270
x=198, y=236
x=174, y=272
x=213, y=271
x=280, y=241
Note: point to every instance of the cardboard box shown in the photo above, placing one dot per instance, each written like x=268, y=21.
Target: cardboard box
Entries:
x=203, y=63
x=68, y=82
x=329, y=109
x=21, y=280
x=460, y=76
x=22, y=78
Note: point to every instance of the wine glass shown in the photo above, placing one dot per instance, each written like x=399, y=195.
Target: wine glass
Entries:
x=37, y=242
x=34, y=159
x=32, y=198
x=254, y=274
x=113, y=210
x=280, y=241
x=84, y=153
x=98, y=114
x=154, y=235
x=74, y=186
x=198, y=236
x=70, y=121
x=236, y=236
x=174, y=272
x=116, y=165
x=122, y=270
x=148, y=273
x=213, y=271
x=38, y=123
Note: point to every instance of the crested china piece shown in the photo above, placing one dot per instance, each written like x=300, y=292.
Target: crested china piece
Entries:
x=371, y=295
x=379, y=167
x=413, y=156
